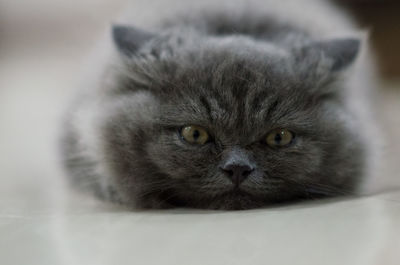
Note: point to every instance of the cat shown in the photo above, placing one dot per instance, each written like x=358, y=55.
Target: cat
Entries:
x=229, y=105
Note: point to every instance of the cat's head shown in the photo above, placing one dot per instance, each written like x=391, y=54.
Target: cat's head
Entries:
x=230, y=122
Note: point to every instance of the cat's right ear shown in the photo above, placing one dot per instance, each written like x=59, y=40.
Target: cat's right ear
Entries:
x=339, y=52
x=128, y=40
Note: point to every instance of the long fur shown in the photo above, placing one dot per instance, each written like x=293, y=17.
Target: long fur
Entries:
x=239, y=69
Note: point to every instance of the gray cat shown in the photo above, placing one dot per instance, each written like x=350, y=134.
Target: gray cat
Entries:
x=230, y=106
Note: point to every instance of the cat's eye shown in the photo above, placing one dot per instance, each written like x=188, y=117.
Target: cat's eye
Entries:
x=195, y=134
x=279, y=138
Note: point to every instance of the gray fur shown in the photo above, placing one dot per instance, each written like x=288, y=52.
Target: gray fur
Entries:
x=239, y=78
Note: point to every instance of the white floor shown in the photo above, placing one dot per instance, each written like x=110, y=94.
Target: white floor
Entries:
x=41, y=222
x=360, y=231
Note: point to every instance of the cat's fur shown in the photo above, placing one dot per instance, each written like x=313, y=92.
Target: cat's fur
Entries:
x=238, y=69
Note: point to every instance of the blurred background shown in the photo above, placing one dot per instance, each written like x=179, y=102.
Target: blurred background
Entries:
x=43, y=47
x=382, y=18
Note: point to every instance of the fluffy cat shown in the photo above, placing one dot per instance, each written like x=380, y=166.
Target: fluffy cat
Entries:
x=232, y=105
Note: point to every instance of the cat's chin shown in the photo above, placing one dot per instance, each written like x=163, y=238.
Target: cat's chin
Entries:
x=235, y=199
x=240, y=199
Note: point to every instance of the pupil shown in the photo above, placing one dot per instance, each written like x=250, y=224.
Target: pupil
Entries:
x=196, y=134
x=278, y=138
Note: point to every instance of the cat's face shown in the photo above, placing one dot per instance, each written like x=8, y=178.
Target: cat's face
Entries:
x=229, y=124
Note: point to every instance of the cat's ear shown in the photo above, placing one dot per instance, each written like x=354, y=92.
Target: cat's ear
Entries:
x=128, y=40
x=341, y=52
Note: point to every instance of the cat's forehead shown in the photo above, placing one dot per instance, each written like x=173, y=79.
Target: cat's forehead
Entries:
x=236, y=91
x=236, y=99
x=236, y=119
x=233, y=68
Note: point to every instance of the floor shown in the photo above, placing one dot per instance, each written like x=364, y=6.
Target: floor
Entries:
x=42, y=222
x=79, y=231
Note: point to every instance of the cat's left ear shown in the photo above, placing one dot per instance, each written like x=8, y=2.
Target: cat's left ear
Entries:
x=128, y=39
x=341, y=52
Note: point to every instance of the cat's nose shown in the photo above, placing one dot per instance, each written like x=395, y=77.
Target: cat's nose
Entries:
x=237, y=172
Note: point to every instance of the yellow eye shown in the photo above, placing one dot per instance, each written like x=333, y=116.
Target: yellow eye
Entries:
x=194, y=134
x=279, y=138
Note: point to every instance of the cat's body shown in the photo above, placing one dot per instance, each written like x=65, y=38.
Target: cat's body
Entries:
x=238, y=71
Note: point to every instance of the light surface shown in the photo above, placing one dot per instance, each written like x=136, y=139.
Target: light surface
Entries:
x=81, y=231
